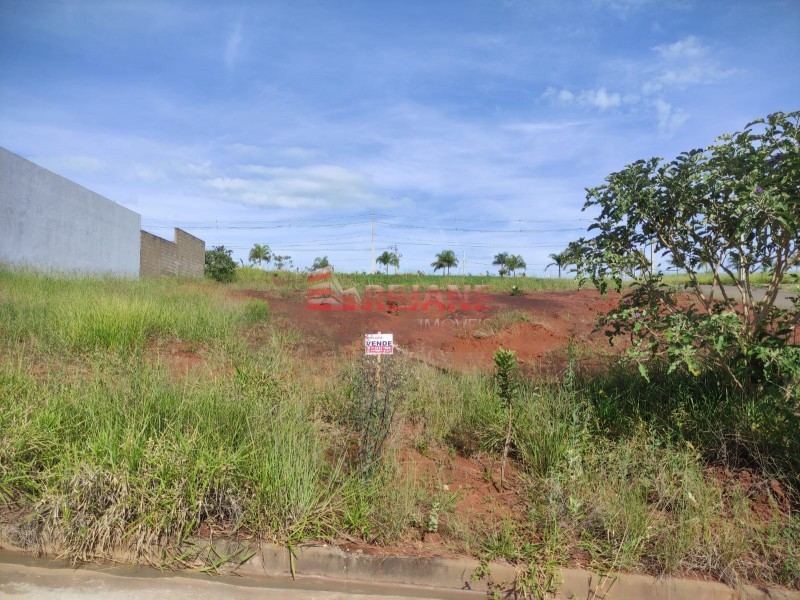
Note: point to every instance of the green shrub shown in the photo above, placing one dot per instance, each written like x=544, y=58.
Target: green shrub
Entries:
x=377, y=389
x=220, y=266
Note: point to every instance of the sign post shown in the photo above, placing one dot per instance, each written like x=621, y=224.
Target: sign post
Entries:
x=378, y=344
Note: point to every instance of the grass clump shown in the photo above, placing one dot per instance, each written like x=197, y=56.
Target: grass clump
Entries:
x=642, y=505
x=501, y=321
x=129, y=457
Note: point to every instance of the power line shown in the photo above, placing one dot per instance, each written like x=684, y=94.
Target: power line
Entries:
x=345, y=221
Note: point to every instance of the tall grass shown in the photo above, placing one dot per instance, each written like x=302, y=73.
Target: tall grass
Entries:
x=65, y=314
x=496, y=284
x=263, y=279
x=129, y=456
x=640, y=503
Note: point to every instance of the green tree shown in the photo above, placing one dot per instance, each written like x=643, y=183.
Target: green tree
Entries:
x=508, y=263
x=733, y=206
x=514, y=263
x=220, y=265
x=446, y=259
x=561, y=260
x=320, y=263
x=500, y=260
x=282, y=261
x=386, y=259
x=260, y=253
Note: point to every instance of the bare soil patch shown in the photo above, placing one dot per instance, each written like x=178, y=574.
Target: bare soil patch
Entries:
x=445, y=338
x=183, y=359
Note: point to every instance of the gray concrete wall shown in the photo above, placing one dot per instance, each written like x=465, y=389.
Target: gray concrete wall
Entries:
x=51, y=223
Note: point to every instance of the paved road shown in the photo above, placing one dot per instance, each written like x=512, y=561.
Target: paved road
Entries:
x=782, y=301
x=23, y=578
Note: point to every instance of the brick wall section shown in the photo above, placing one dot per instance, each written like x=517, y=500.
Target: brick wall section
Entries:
x=185, y=256
x=191, y=255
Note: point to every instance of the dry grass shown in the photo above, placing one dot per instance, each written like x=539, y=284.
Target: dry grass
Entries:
x=502, y=321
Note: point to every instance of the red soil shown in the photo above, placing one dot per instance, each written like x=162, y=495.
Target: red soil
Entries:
x=445, y=338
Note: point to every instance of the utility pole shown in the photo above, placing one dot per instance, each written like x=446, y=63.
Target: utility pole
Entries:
x=464, y=262
x=397, y=256
x=373, y=241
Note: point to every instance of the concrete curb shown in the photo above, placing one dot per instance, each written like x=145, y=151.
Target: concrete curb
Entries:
x=456, y=574
x=321, y=561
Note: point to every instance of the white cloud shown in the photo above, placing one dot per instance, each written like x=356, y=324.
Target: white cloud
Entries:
x=622, y=5
x=233, y=46
x=70, y=163
x=146, y=173
x=298, y=152
x=316, y=186
x=672, y=67
x=537, y=127
x=192, y=169
x=651, y=87
x=625, y=7
x=600, y=98
x=684, y=63
x=669, y=118
x=566, y=96
x=687, y=48
x=168, y=169
x=240, y=148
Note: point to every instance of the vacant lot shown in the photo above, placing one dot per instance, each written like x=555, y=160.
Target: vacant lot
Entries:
x=143, y=414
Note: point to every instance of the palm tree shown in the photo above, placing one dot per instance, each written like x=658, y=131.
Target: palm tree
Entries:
x=561, y=260
x=386, y=259
x=514, y=262
x=260, y=253
x=446, y=259
x=500, y=260
x=395, y=261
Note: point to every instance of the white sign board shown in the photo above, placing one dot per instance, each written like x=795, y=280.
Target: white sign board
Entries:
x=378, y=343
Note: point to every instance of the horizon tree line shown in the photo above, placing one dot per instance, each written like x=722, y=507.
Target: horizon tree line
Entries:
x=509, y=264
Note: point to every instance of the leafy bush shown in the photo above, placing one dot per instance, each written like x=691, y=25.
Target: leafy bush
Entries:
x=731, y=208
x=220, y=265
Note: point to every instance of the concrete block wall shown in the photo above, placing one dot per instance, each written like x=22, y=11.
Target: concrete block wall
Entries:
x=51, y=223
x=185, y=256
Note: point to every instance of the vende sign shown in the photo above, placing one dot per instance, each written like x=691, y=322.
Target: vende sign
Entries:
x=378, y=343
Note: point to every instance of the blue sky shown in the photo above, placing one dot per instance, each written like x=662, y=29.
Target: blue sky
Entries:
x=473, y=125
